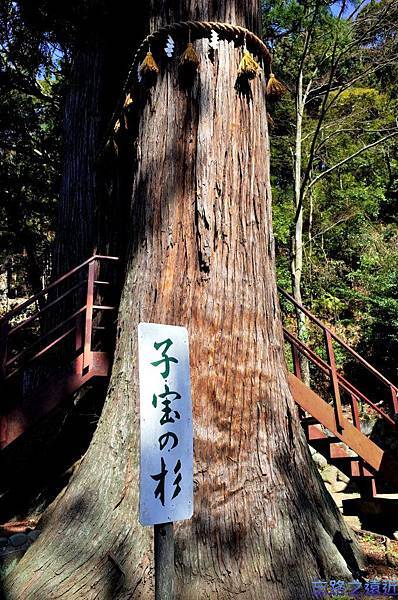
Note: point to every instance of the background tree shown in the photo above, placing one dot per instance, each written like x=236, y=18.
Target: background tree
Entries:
x=31, y=86
x=338, y=61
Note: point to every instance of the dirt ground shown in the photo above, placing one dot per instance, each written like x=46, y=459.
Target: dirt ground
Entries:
x=382, y=557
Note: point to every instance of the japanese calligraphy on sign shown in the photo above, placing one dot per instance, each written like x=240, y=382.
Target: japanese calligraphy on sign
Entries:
x=166, y=465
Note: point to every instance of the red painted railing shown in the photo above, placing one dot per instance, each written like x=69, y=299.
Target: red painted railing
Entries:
x=339, y=382
x=65, y=321
x=62, y=321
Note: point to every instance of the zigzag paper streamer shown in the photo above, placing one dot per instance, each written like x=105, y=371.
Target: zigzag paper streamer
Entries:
x=213, y=40
x=169, y=49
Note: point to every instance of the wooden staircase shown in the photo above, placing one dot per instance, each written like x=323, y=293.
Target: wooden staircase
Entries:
x=62, y=338
x=54, y=344
x=330, y=413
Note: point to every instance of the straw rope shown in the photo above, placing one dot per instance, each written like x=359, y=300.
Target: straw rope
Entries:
x=197, y=30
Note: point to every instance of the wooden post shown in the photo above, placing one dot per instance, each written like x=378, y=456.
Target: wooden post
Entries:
x=3, y=348
x=296, y=362
x=4, y=329
x=394, y=399
x=297, y=372
x=89, y=316
x=164, y=561
x=336, y=390
x=79, y=342
x=355, y=412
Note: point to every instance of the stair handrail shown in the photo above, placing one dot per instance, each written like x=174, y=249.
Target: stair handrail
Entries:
x=43, y=337
x=6, y=330
x=8, y=316
x=355, y=354
x=323, y=366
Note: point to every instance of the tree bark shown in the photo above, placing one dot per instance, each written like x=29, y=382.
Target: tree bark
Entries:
x=81, y=133
x=202, y=256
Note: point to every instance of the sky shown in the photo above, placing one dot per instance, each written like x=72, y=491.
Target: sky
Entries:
x=349, y=8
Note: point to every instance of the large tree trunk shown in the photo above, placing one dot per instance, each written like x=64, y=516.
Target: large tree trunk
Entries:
x=201, y=255
x=82, y=130
x=100, y=49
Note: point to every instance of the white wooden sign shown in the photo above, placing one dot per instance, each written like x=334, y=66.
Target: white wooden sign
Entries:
x=166, y=465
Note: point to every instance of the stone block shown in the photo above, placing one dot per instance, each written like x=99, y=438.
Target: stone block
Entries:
x=18, y=539
x=33, y=535
x=342, y=477
x=329, y=475
x=320, y=460
x=339, y=486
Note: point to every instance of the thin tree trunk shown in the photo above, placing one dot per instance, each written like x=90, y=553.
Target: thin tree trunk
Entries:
x=202, y=256
x=296, y=264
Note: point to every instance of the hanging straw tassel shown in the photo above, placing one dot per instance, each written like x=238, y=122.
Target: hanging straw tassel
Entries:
x=275, y=89
x=149, y=66
x=248, y=67
x=128, y=101
x=189, y=59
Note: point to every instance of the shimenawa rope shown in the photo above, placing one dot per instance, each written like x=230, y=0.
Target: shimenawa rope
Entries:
x=196, y=29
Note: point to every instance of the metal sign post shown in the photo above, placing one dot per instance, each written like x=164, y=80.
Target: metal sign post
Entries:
x=166, y=463
x=164, y=561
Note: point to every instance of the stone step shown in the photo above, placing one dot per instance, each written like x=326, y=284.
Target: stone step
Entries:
x=351, y=466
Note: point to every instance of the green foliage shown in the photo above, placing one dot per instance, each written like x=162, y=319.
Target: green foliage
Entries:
x=30, y=143
x=350, y=271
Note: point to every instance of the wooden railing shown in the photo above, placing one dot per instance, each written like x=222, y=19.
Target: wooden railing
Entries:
x=59, y=320
x=339, y=382
x=63, y=320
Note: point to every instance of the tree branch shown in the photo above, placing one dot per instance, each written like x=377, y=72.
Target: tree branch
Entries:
x=332, y=226
x=348, y=158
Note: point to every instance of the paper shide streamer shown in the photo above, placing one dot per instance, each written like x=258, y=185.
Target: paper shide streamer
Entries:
x=213, y=40
x=170, y=45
